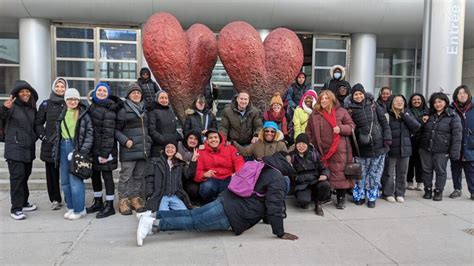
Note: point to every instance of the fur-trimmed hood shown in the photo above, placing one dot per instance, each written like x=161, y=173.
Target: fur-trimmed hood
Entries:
x=343, y=71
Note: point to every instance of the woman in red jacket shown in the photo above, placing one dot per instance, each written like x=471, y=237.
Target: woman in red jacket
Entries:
x=216, y=164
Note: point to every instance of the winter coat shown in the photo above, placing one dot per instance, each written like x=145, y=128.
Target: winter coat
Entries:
x=240, y=128
x=467, y=120
x=333, y=84
x=163, y=128
x=416, y=136
x=84, y=133
x=166, y=182
x=48, y=112
x=300, y=121
x=295, y=92
x=20, y=135
x=195, y=121
x=129, y=126
x=402, y=129
x=321, y=136
x=243, y=213
x=443, y=134
x=263, y=148
x=149, y=89
x=364, y=114
x=225, y=160
x=308, y=168
x=103, y=119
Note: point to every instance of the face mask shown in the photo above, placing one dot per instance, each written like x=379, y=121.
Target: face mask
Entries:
x=337, y=75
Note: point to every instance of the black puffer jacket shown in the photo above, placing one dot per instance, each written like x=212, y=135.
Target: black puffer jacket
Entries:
x=48, y=112
x=308, y=168
x=103, y=118
x=363, y=114
x=129, y=126
x=443, y=134
x=84, y=133
x=194, y=121
x=402, y=130
x=163, y=128
x=165, y=181
x=20, y=136
x=149, y=88
x=418, y=113
x=243, y=213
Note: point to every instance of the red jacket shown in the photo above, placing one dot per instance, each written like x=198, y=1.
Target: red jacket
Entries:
x=225, y=160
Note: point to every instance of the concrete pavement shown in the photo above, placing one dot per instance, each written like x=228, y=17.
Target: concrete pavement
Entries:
x=416, y=232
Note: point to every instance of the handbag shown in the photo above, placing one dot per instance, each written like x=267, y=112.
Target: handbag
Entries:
x=366, y=139
x=81, y=164
x=353, y=170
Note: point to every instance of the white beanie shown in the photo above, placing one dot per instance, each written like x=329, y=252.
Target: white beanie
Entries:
x=72, y=93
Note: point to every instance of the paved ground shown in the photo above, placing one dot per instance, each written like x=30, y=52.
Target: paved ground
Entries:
x=416, y=232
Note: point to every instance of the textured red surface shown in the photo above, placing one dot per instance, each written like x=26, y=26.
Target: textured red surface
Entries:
x=181, y=61
x=260, y=68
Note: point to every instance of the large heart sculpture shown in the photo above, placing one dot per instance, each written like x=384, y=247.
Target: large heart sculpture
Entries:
x=181, y=61
x=260, y=68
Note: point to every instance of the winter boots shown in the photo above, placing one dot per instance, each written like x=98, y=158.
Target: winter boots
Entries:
x=138, y=204
x=124, y=207
x=107, y=211
x=96, y=206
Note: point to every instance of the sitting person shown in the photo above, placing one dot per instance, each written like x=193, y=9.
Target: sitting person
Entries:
x=164, y=188
x=199, y=117
x=217, y=162
x=186, y=150
x=230, y=211
x=311, y=179
x=270, y=140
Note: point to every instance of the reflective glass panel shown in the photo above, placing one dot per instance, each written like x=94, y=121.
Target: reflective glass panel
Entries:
x=75, y=33
x=75, y=69
x=75, y=49
x=9, y=53
x=321, y=76
x=119, y=51
x=330, y=44
x=119, y=35
x=8, y=76
x=118, y=70
x=83, y=86
x=330, y=58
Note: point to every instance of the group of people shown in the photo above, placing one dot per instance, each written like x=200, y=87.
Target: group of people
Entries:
x=178, y=179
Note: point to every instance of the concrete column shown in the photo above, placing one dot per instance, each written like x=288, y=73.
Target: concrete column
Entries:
x=35, y=54
x=443, y=39
x=363, y=55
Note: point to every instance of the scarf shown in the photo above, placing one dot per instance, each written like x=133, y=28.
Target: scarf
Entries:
x=279, y=118
x=139, y=108
x=56, y=98
x=418, y=112
x=307, y=109
x=331, y=119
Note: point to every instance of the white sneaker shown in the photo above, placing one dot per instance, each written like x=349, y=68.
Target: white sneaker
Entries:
x=410, y=186
x=390, y=199
x=400, y=199
x=77, y=215
x=18, y=215
x=55, y=205
x=147, y=214
x=144, y=228
x=29, y=207
x=69, y=212
x=419, y=187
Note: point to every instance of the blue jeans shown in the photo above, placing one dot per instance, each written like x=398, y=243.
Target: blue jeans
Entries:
x=210, y=217
x=171, y=203
x=210, y=189
x=72, y=186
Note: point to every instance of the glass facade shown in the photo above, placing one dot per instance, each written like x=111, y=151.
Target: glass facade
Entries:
x=87, y=55
x=328, y=51
x=9, y=63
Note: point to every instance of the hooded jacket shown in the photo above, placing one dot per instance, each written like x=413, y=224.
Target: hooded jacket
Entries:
x=364, y=114
x=20, y=134
x=262, y=147
x=240, y=128
x=224, y=159
x=302, y=113
x=45, y=124
x=149, y=88
x=308, y=168
x=183, y=149
x=166, y=181
x=243, y=213
x=401, y=129
x=197, y=120
x=84, y=133
x=418, y=113
x=333, y=84
x=466, y=114
x=163, y=127
x=103, y=116
x=295, y=92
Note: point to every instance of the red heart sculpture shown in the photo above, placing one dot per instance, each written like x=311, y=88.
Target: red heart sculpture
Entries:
x=260, y=68
x=181, y=61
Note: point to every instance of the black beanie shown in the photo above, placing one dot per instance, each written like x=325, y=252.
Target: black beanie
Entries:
x=302, y=138
x=357, y=87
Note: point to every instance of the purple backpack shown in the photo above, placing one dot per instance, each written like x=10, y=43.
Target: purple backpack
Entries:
x=243, y=182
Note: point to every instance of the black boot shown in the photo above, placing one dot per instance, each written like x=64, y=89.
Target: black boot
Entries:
x=438, y=195
x=428, y=193
x=341, y=199
x=96, y=206
x=107, y=210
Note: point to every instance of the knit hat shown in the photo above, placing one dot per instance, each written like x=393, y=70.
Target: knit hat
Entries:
x=94, y=92
x=270, y=124
x=72, y=93
x=133, y=86
x=276, y=99
x=302, y=137
x=59, y=80
x=357, y=87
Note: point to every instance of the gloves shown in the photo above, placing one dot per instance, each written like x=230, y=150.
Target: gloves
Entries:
x=387, y=143
x=69, y=156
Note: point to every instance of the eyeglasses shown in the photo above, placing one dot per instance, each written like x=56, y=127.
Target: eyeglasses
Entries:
x=269, y=131
x=72, y=100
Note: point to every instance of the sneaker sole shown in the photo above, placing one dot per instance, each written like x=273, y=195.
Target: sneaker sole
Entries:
x=18, y=218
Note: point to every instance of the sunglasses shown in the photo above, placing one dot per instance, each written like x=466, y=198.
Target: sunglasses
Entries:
x=269, y=131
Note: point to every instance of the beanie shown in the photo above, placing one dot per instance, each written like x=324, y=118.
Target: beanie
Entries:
x=357, y=87
x=270, y=124
x=72, y=93
x=302, y=138
x=94, y=92
x=133, y=87
x=276, y=99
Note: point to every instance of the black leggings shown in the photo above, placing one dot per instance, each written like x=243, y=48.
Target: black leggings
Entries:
x=108, y=181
